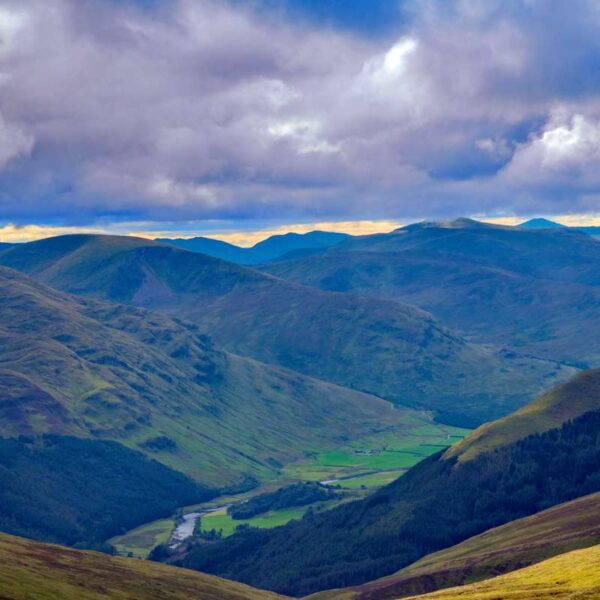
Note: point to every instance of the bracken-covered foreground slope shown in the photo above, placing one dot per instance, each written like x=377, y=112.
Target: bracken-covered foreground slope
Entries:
x=89, y=369
x=32, y=570
x=535, y=291
x=437, y=504
x=571, y=576
x=518, y=544
x=382, y=347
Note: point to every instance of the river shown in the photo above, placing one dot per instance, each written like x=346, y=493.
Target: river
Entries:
x=185, y=528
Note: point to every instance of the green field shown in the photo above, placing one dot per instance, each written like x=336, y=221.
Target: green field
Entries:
x=394, y=451
x=139, y=541
x=222, y=521
x=377, y=459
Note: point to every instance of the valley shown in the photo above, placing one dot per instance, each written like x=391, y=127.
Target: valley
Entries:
x=259, y=451
x=352, y=470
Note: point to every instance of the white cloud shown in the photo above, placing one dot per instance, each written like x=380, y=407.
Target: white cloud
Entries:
x=306, y=135
x=568, y=148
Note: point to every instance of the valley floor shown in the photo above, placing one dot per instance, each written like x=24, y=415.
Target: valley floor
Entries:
x=356, y=468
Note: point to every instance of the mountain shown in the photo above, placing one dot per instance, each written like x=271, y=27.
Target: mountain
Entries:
x=517, y=544
x=569, y=576
x=277, y=246
x=47, y=572
x=84, y=368
x=535, y=291
x=378, y=346
x=211, y=247
x=547, y=224
x=272, y=248
x=438, y=503
x=552, y=409
x=539, y=223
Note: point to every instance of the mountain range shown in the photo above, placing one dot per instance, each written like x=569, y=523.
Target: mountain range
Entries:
x=414, y=360
x=535, y=291
x=273, y=247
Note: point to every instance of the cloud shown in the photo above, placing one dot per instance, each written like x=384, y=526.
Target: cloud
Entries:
x=14, y=142
x=566, y=151
x=218, y=110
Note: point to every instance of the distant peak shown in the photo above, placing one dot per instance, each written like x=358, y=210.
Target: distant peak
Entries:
x=460, y=223
x=540, y=223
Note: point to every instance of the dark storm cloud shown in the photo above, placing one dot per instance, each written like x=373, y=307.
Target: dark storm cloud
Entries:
x=186, y=110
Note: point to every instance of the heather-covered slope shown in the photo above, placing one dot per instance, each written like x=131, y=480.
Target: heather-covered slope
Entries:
x=517, y=544
x=31, y=570
x=382, y=347
x=571, y=576
x=535, y=290
x=80, y=367
x=436, y=504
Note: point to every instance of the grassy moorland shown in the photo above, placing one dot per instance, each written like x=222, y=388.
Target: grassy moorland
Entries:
x=32, y=570
x=553, y=408
x=571, y=576
x=90, y=369
x=517, y=544
x=412, y=358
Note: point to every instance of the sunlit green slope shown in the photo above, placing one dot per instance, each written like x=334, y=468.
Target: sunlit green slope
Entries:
x=573, y=576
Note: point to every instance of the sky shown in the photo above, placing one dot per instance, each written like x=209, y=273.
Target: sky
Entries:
x=234, y=118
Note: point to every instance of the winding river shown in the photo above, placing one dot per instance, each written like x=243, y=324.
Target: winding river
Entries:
x=185, y=528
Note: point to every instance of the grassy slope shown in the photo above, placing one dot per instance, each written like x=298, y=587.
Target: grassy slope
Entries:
x=91, y=369
x=540, y=286
x=564, y=402
x=573, y=576
x=31, y=570
x=560, y=529
x=412, y=359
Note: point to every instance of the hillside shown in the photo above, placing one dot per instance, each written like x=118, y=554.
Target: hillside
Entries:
x=382, y=347
x=533, y=290
x=82, y=492
x=570, y=576
x=89, y=369
x=517, y=544
x=46, y=572
x=560, y=404
x=272, y=248
x=436, y=504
